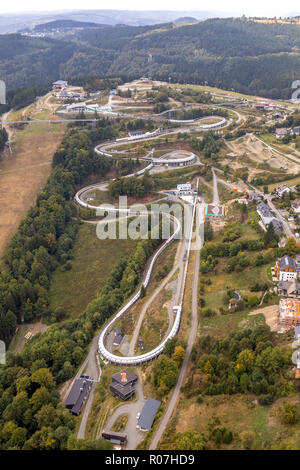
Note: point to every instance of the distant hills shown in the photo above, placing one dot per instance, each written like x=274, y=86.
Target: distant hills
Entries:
x=185, y=19
x=233, y=53
x=11, y=23
x=65, y=24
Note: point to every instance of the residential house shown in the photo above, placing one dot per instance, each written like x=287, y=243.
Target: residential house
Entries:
x=281, y=133
x=297, y=260
x=265, y=213
x=254, y=196
x=117, y=336
x=59, y=85
x=278, y=228
x=285, y=269
x=295, y=205
x=297, y=332
x=289, y=288
x=281, y=190
x=295, y=131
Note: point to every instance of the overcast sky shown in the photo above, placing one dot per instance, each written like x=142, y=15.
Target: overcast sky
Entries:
x=248, y=7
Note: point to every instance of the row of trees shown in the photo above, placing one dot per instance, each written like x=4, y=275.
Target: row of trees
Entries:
x=31, y=415
x=3, y=138
x=45, y=237
x=210, y=145
x=133, y=186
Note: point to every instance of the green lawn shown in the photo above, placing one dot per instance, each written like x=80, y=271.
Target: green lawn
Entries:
x=222, y=326
x=288, y=182
x=91, y=266
x=240, y=281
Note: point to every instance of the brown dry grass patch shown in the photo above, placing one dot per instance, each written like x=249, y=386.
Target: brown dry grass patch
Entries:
x=22, y=175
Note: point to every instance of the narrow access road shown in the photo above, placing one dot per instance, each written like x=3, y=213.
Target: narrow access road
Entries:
x=134, y=435
x=215, y=188
x=192, y=336
x=88, y=367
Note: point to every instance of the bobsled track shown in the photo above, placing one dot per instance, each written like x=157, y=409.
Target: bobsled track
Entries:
x=149, y=356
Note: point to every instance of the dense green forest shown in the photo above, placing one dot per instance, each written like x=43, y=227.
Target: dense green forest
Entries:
x=230, y=53
x=31, y=414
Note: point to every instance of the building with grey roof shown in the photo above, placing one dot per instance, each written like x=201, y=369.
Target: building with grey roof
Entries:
x=122, y=384
x=281, y=133
x=289, y=288
x=265, y=213
x=277, y=226
x=148, y=413
x=118, y=337
x=254, y=196
x=285, y=268
x=297, y=332
x=295, y=131
x=59, y=84
x=78, y=395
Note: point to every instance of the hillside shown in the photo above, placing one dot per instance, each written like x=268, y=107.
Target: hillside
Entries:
x=64, y=24
x=237, y=54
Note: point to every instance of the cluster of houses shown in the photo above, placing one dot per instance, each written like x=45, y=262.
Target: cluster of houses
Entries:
x=266, y=106
x=286, y=272
x=71, y=95
x=264, y=211
x=267, y=217
x=282, y=132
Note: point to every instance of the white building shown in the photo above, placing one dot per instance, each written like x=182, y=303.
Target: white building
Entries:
x=184, y=187
x=296, y=206
x=281, y=133
x=265, y=213
x=282, y=190
x=59, y=85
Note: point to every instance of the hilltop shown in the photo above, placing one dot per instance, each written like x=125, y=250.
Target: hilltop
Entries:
x=235, y=54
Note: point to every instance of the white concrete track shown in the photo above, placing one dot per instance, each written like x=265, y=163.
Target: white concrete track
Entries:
x=137, y=360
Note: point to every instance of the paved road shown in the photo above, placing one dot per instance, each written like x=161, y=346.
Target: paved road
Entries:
x=192, y=335
x=287, y=228
x=89, y=367
x=215, y=188
x=134, y=436
x=179, y=264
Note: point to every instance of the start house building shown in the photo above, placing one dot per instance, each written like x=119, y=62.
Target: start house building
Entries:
x=122, y=384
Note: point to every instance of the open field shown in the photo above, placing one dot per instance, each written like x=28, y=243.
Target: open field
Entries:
x=251, y=150
x=288, y=182
x=23, y=173
x=226, y=410
x=240, y=281
x=91, y=266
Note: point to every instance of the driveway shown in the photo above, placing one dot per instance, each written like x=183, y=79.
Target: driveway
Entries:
x=134, y=436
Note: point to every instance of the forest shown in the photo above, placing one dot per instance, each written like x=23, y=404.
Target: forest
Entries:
x=231, y=53
x=31, y=414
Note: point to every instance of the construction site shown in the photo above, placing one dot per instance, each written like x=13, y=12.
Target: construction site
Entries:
x=289, y=312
